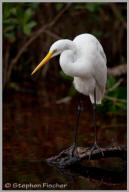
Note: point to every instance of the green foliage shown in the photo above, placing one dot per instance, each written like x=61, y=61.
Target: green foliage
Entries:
x=97, y=33
x=65, y=76
x=59, y=5
x=72, y=91
x=92, y=7
x=117, y=93
x=18, y=17
x=111, y=81
x=95, y=13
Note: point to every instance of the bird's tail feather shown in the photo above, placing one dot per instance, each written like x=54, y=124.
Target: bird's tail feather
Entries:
x=99, y=95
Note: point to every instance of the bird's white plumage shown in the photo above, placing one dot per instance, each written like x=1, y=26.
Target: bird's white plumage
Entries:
x=85, y=60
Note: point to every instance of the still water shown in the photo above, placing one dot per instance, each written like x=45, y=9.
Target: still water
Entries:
x=36, y=128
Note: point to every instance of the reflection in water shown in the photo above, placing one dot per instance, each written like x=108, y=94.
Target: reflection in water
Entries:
x=95, y=174
x=35, y=128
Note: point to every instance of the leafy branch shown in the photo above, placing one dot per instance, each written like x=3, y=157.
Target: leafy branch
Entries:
x=33, y=37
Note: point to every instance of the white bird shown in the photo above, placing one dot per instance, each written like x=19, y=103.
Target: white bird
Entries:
x=83, y=59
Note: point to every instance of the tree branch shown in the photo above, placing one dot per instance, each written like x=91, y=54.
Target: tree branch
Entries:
x=118, y=70
x=57, y=37
x=118, y=15
x=64, y=158
x=115, y=86
x=115, y=99
x=6, y=59
x=34, y=36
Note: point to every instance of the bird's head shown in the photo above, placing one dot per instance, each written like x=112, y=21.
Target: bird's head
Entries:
x=57, y=48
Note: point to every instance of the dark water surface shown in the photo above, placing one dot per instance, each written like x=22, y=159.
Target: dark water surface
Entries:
x=35, y=128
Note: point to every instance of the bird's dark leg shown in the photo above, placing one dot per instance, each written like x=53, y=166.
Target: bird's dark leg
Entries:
x=94, y=115
x=79, y=109
x=95, y=146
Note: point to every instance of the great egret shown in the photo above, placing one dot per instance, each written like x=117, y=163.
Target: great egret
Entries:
x=83, y=59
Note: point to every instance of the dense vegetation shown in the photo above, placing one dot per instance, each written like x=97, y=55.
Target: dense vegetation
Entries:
x=30, y=28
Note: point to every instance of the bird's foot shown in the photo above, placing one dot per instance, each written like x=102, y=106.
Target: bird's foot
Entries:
x=69, y=156
x=73, y=151
x=94, y=147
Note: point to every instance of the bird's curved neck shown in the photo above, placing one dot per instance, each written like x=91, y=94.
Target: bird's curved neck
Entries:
x=68, y=59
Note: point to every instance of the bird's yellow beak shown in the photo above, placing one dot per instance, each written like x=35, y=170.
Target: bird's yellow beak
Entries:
x=45, y=60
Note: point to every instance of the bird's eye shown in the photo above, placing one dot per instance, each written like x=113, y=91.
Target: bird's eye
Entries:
x=55, y=50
